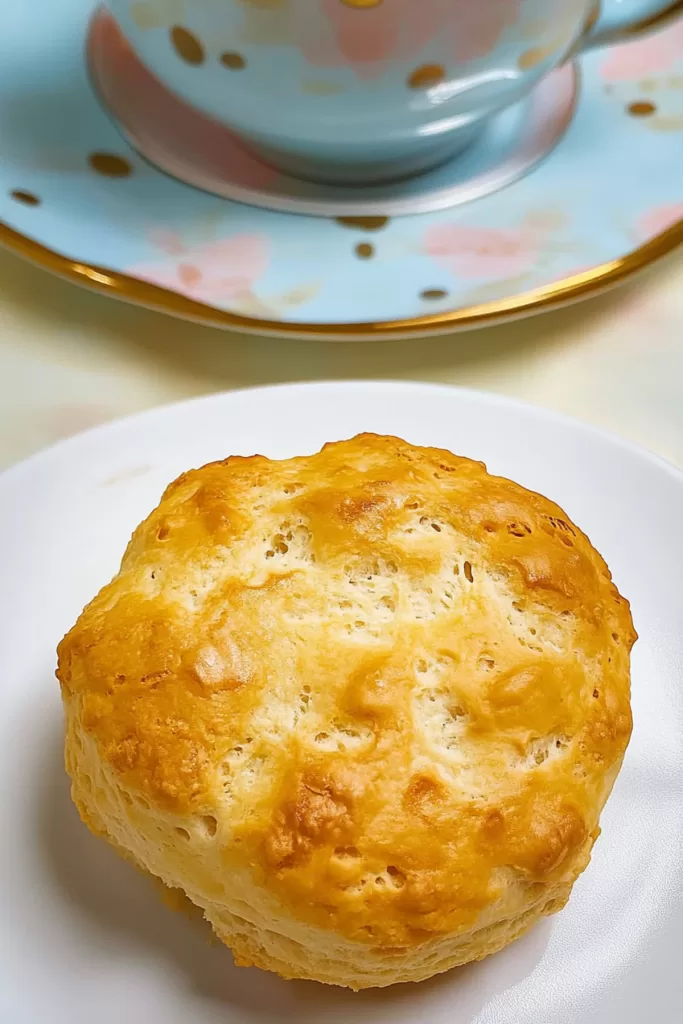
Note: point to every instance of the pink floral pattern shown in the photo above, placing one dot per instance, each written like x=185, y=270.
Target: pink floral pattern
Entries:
x=478, y=253
x=141, y=99
x=658, y=219
x=652, y=55
x=211, y=272
x=399, y=29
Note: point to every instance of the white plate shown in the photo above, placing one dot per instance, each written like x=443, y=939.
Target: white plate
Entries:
x=84, y=938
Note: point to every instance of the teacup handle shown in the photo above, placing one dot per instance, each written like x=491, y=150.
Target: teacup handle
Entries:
x=620, y=20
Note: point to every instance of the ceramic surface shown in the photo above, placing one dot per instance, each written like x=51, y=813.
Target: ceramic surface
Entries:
x=77, y=198
x=352, y=90
x=85, y=937
x=200, y=151
x=359, y=90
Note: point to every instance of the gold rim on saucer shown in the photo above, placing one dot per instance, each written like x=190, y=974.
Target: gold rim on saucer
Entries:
x=653, y=21
x=122, y=286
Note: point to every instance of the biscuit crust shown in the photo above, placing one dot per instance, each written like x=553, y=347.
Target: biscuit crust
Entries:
x=364, y=707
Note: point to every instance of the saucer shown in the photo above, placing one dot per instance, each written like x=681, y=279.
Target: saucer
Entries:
x=77, y=198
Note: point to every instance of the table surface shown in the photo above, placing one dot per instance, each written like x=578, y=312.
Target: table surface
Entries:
x=70, y=359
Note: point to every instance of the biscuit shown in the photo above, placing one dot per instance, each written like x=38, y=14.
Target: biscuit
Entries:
x=363, y=707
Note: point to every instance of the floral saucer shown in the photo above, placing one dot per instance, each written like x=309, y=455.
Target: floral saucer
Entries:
x=78, y=199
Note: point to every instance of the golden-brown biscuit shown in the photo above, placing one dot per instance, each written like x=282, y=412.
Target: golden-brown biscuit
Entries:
x=363, y=707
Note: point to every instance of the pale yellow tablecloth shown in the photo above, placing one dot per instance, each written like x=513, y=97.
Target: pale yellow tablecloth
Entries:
x=70, y=359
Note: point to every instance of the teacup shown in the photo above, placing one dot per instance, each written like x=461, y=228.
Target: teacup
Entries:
x=362, y=91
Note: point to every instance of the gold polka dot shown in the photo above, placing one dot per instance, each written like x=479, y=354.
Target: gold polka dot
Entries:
x=426, y=76
x=27, y=198
x=234, y=61
x=363, y=223
x=365, y=251
x=110, y=165
x=532, y=58
x=641, y=108
x=362, y=5
x=647, y=84
x=187, y=46
x=431, y=294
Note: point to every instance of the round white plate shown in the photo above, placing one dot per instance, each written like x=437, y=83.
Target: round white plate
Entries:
x=84, y=938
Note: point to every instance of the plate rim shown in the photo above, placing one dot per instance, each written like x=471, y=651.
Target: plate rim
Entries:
x=83, y=448
x=491, y=398
x=126, y=288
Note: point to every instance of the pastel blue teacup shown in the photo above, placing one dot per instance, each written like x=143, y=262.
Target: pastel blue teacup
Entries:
x=361, y=91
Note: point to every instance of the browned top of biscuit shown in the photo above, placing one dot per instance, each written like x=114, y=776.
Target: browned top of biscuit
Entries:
x=374, y=663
